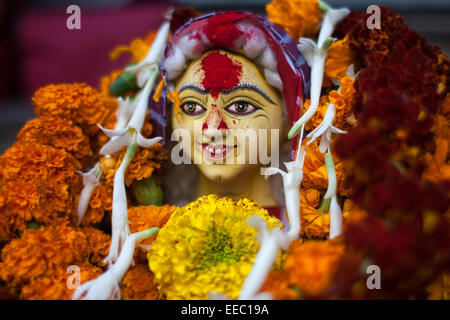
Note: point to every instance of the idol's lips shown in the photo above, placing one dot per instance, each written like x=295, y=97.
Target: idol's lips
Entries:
x=216, y=151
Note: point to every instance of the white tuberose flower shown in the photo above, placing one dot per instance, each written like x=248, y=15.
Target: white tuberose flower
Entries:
x=151, y=61
x=315, y=55
x=90, y=180
x=325, y=129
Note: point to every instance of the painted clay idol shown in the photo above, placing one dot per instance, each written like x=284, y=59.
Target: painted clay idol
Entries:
x=239, y=83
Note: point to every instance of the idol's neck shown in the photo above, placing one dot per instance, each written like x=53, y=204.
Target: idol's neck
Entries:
x=249, y=184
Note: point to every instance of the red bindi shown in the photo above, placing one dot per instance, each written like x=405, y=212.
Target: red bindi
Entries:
x=221, y=73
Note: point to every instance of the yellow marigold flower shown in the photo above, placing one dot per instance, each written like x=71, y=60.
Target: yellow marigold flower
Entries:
x=38, y=251
x=58, y=133
x=78, y=102
x=138, y=48
x=311, y=265
x=206, y=246
x=315, y=173
x=339, y=57
x=299, y=18
x=53, y=285
x=138, y=284
x=315, y=221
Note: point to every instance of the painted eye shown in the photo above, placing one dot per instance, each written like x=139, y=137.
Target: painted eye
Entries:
x=192, y=108
x=241, y=107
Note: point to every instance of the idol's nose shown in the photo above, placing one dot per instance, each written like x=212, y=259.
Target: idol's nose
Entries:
x=215, y=128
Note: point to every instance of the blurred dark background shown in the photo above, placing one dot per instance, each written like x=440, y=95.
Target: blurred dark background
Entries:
x=36, y=47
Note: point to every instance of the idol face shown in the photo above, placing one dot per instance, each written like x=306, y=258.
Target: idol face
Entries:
x=224, y=102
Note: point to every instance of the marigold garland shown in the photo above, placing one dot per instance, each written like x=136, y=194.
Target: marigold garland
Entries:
x=58, y=133
x=38, y=182
x=138, y=284
x=38, y=251
x=78, y=102
x=53, y=285
x=315, y=173
x=339, y=57
x=314, y=222
x=384, y=158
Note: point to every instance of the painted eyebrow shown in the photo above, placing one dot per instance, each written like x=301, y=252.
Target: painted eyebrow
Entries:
x=193, y=86
x=252, y=87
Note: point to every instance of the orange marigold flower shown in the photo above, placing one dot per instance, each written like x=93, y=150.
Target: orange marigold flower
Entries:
x=78, y=102
x=339, y=57
x=145, y=162
x=37, y=251
x=99, y=204
x=58, y=133
x=437, y=166
x=315, y=173
x=53, y=284
x=310, y=266
x=277, y=283
x=299, y=18
x=440, y=288
x=138, y=284
x=343, y=100
x=138, y=48
x=98, y=243
x=144, y=217
x=317, y=118
x=39, y=181
x=315, y=221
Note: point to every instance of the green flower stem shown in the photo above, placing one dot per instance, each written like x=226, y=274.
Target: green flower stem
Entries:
x=324, y=206
x=324, y=6
x=331, y=172
x=326, y=44
x=131, y=151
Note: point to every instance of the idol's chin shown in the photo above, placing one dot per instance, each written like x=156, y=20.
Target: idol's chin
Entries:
x=221, y=173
